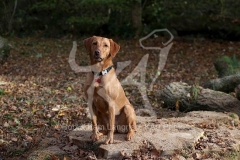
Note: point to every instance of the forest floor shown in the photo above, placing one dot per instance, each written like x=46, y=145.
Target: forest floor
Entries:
x=41, y=96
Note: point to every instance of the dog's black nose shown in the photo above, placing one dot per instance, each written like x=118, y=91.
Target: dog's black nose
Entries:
x=97, y=53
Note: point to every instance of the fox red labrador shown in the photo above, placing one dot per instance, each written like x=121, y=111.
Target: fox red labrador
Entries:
x=109, y=107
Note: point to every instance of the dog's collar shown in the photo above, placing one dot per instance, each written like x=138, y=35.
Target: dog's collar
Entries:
x=102, y=72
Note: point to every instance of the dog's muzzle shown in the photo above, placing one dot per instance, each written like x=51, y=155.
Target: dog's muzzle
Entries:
x=97, y=56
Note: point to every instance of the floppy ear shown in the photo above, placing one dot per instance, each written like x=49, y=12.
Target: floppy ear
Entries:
x=87, y=43
x=114, y=48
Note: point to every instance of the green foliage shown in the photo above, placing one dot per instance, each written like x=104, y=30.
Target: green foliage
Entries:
x=2, y=92
x=195, y=91
x=58, y=17
x=8, y=116
x=112, y=17
x=5, y=14
x=233, y=115
x=18, y=151
x=232, y=63
x=192, y=16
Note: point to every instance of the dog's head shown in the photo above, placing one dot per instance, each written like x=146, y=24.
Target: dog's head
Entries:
x=101, y=48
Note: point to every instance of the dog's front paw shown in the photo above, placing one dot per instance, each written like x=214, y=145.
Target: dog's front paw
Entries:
x=109, y=140
x=130, y=135
x=95, y=136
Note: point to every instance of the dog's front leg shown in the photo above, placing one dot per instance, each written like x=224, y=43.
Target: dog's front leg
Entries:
x=111, y=127
x=111, y=114
x=95, y=133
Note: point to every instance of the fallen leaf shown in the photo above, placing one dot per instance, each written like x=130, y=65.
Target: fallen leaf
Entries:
x=56, y=135
x=53, y=157
x=6, y=124
x=57, y=108
x=14, y=139
x=197, y=155
x=154, y=154
x=28, y=138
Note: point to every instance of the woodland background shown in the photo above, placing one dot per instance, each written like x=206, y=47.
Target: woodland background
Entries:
x=55, y=18
x=41, y=97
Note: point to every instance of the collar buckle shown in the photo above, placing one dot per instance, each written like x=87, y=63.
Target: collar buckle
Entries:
x=104, y=72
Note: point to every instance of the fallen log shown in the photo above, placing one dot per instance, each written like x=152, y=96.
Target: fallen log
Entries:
x=191, y=98
x=226, y=84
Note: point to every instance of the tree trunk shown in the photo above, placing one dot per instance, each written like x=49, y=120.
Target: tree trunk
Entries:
x=225, y=84
x=189, y=98
x=4, y=50
x=137, y=16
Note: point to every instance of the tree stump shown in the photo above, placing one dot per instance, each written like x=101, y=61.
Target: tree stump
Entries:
x=188, y=98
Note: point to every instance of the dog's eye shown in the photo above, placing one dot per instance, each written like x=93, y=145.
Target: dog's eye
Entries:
x=94, y=43
x=105, y=45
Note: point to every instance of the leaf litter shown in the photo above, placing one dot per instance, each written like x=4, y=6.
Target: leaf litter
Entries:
x=42, y=97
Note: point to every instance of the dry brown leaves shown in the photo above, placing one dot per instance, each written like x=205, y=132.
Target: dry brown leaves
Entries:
x=40, y=96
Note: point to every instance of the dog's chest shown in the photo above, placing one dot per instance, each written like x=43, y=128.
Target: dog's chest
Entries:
x=99, y=99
